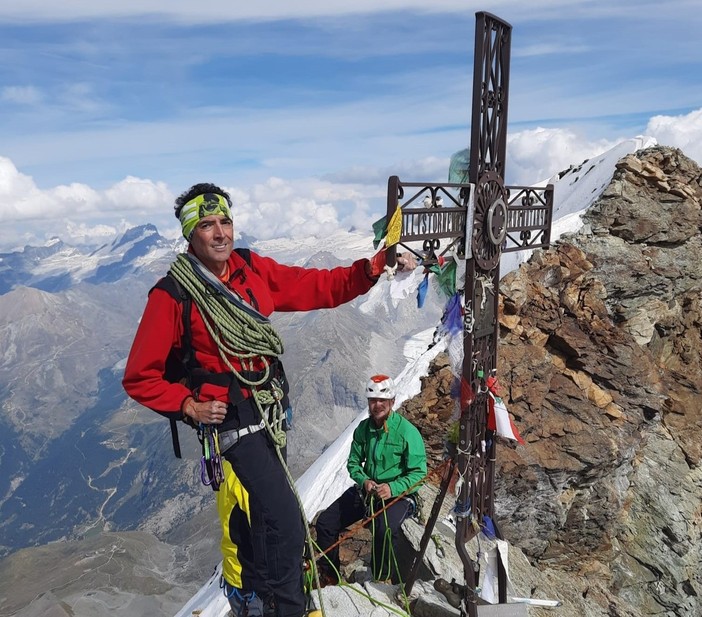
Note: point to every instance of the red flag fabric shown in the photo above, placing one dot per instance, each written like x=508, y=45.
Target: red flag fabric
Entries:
x=467, y=394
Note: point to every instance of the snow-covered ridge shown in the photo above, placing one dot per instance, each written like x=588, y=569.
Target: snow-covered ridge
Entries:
x=345, y=246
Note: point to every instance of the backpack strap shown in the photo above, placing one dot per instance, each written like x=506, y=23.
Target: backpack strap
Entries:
x=184, y=359
x=245, y=254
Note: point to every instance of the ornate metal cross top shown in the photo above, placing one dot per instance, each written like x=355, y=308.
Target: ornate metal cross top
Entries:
x=475, y=222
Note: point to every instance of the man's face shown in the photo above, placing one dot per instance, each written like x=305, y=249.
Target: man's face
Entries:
x=379, y=409
x=212, y=241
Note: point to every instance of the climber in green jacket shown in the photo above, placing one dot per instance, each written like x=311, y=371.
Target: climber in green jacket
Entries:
x=387, y=460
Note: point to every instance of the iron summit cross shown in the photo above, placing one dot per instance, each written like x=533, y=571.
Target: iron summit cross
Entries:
x=477, y=221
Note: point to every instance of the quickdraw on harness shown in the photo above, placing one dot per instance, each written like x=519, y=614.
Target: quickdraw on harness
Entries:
x=211, y=471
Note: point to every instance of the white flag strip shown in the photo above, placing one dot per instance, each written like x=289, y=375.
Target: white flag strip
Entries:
x=404, y=284
x=503, y=423
x=489, y=589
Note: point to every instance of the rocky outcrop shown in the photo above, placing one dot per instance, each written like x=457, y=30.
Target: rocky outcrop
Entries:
x=600, y=360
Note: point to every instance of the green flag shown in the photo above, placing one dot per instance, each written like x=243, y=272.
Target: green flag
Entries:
x=380, y=229
x=446, y=277
x=458, y=167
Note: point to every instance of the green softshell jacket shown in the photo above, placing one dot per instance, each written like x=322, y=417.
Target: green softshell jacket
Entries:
x=392, y=454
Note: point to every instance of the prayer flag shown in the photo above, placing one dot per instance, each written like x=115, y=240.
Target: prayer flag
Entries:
x=446, y=277
x=394, y=228
x=422, y=291
x=452, y=319
x=500, y=421
x=380, y=228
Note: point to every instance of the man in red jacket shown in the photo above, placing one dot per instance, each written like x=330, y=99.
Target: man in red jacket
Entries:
x=235, y=383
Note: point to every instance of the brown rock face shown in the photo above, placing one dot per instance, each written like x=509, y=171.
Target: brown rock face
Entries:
x=600, y=360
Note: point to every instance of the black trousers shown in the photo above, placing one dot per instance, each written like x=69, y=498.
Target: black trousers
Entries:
x=350, y=508
x=272, y=558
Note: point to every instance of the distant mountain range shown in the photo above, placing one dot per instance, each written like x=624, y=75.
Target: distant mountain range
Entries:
x=58, y=266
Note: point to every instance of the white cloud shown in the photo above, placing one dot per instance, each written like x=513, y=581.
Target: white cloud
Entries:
x=82, y=233
x=684, y=132
x=75, y=212
x=288, y=207
x=20, y=199
x=536, y=155
x=21, y=95
x=139, y=194
x=298, y=208
x=12, y=183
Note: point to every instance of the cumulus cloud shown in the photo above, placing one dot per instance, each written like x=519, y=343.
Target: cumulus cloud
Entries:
x=535, y=155
x=280, y=207
x=684, y=132
x=21, y=95
x=12, y=182
x=298, y=208
x=82, y=233
x=20, y=199
x=138, y=194
x=76, y=212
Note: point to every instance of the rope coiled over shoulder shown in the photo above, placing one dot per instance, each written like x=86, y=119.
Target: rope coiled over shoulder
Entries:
x=239, y=333
x=235, y=331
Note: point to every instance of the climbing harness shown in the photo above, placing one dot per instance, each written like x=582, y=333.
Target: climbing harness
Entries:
x=228, y=438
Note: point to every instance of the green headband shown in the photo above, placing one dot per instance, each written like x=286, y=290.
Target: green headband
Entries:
x=200, y=207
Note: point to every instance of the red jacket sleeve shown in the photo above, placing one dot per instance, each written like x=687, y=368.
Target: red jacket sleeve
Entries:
x=276, y=286
x=293, y=288
x=160, y=330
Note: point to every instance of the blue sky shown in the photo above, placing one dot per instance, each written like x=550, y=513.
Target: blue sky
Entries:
x=304, y=109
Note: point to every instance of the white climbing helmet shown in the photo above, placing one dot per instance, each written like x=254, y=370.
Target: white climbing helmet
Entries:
x=380, y=386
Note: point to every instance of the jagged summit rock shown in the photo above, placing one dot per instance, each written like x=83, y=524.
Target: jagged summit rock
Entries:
x=600, y=361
